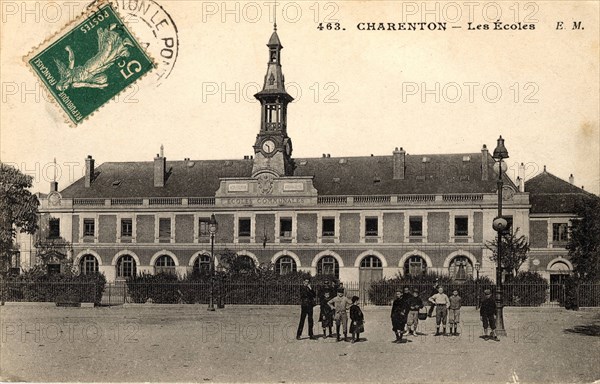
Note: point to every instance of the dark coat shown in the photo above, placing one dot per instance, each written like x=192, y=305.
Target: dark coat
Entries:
x=487, y=306
x=307, y=296
x=356, y=314
x=415, y=303
x=400, y=308
x=357, y=318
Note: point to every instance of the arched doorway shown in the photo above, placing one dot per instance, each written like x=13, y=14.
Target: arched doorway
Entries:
x=371, y=269
x=559, y=270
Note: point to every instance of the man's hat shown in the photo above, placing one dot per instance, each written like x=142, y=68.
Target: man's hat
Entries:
x=487, y=292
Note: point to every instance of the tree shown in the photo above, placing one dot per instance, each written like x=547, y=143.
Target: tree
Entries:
x=584, y=240
x=514, y=251
x=235, y=264
x=18, y=210
x=54, y=251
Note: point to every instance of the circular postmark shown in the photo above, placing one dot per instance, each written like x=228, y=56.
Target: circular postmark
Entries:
x=156, y=32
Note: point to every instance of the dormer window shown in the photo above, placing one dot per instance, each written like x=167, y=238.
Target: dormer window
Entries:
x=271, y=79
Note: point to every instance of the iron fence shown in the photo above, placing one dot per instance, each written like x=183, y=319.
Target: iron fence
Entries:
x=269, y=293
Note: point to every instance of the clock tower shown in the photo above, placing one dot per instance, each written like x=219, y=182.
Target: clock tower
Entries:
x=273, y=147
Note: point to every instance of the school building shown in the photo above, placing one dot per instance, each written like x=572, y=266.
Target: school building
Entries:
x=359, y=218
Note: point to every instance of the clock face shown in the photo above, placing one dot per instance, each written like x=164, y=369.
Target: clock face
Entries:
x=268, y=146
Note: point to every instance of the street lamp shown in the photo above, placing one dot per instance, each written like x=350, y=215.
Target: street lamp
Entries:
x=212, y=229
x=477, y=268
x=500, y=224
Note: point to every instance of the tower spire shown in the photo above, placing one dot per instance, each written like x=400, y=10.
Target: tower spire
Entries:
x=273, y=147
x=275, y=18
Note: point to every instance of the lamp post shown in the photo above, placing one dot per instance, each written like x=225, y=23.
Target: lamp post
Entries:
x=212, y=228
x=477, y=267
x=500, y=224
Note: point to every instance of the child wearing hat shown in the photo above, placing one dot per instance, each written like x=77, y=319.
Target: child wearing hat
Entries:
x=415, y=303
x=357, y=320
x=487, y=311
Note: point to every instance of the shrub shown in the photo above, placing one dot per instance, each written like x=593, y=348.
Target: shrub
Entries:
x=35, y=286
x=159, y=288
x=383, y=292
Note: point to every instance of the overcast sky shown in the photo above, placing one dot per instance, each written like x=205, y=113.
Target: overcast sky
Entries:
x=357, y=92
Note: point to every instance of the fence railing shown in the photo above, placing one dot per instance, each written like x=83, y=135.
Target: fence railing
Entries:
x=269, y=293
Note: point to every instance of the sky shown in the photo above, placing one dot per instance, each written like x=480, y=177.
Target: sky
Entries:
x=357, y=92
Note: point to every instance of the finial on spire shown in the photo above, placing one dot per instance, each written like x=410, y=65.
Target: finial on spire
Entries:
x=275, y=18
x=54, y=170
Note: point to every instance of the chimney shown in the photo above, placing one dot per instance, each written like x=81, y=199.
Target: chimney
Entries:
x=89, y=171
x=484, y=163
x=398, y=158
x=54, y=184
x=160, y=165
x=572, y=179
x=522, y=178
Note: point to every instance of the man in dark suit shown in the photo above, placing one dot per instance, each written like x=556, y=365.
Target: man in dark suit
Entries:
x=307, y=302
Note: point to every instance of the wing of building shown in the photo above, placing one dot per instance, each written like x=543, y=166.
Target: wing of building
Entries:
x=359, y=218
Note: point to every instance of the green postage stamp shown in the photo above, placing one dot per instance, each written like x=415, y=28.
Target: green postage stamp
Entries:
x=87, y=64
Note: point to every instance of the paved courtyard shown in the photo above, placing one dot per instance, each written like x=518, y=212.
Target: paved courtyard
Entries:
x=256, y=344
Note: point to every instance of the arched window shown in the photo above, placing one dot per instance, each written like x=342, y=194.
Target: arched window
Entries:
x=460, y=268
x=284, y=265
x=164, y=264
x=371, y=262
x=202, y=265
x=328, y=265
x=246, y=263
x=415, y=266
x=88, y=264
x=126, y=266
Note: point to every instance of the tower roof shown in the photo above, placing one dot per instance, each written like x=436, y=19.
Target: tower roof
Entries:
x=274, y=40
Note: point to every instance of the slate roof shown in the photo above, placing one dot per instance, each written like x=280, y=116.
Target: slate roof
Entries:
x=551, y=194
x=370, y=175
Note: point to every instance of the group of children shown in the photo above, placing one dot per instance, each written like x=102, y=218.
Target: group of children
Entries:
x=405, y=313
x=336, y=309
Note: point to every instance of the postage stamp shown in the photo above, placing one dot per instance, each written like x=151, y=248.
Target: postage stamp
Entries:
x=156, y=31
x=90, y=62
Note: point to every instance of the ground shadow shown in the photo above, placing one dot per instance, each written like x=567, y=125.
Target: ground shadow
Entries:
x=587, y=330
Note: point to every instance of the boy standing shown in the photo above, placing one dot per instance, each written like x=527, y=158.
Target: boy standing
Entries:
x=399, y=313
x=326, y=314
x=441, y=302
x=340, y=305
x=454, y=312
x=415, y=304
x=357, y=320
x=487, y=310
